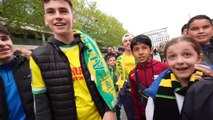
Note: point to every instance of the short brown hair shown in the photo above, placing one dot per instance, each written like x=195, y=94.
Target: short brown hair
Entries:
x=68, y=1
x=4, y=30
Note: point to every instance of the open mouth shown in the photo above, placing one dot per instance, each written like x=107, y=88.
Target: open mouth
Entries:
x=182, y=69
x=201, y=37
x=141, y=57
x=4, y=50
x=59, y=24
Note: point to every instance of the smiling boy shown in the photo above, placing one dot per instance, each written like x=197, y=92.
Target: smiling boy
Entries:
x=16, y=99
x=200, y=29
x=147, y=69
x=70, y=77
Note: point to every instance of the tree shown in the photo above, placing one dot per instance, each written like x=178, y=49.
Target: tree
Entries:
x=19, y=14
x=106, y=30
x=28, y=14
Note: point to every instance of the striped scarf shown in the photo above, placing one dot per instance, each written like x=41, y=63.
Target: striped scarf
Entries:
x=166, y=107
x=98, y=70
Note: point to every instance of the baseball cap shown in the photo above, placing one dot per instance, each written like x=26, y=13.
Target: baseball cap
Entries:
x=127, y=36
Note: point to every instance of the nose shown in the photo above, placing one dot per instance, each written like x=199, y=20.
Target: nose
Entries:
x=201, y=30
x=140, y=51
x=179, y=60
x=58, y=15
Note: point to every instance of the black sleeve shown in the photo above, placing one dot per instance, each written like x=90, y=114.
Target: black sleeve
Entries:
x=187, y=105
x=3, y=106
x=41, y=107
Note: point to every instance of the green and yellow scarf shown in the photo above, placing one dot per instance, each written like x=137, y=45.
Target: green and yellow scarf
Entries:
x=120, y=68
x=98, y=70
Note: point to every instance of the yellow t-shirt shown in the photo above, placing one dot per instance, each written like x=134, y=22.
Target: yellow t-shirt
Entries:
x=128, y=64
x=86, y=109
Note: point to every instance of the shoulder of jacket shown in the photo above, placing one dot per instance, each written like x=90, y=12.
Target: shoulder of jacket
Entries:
x=42, y=49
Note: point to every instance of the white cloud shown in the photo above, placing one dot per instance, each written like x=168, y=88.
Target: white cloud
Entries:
x=140, y=16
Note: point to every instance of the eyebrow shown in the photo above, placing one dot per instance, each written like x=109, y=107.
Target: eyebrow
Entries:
x=4, y=36
x=56, y=8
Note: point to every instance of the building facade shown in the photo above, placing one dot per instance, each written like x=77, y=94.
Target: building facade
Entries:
x=158, y=36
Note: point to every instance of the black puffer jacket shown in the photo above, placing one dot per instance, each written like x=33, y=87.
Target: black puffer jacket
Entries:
x=58, y=103
x=21, y=72
x=198, y=103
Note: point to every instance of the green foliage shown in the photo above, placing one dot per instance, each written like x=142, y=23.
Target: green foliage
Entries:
x=105, y=30
x=17, y=14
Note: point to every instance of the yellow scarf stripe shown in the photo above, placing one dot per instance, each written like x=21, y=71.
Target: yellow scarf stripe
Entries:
x=166, y=83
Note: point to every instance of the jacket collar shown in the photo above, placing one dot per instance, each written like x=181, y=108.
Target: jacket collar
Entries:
x=77, y=40
x=148, y=64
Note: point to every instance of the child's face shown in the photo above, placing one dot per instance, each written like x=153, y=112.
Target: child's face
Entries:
x=111, y=62
x=201, y=31
x=6, y=49
x=59, y=17
x=142, y=52
x=181, y=58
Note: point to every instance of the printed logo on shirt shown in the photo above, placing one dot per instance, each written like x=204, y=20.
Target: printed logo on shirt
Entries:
x=130, y=64
x=77, y=73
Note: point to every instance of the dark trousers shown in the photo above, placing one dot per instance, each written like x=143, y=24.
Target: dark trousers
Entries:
x=127, y=101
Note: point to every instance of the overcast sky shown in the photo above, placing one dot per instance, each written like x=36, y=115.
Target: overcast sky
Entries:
x=139, y=16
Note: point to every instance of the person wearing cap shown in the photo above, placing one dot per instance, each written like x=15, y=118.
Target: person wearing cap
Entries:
x=124, y=64
x=16, y=100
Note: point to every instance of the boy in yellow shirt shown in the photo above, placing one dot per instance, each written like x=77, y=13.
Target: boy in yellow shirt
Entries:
x=70, y=79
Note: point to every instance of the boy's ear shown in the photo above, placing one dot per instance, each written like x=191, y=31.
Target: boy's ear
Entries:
x=212, y=30
x=151, y=52
x=73, y=18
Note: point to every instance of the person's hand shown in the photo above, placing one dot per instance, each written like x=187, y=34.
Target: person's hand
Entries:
x=24, y=52
x=206, y=70
x=109, y=115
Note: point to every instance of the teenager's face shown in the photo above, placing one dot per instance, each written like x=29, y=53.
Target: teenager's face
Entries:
x=59, y=17
x=142, y=52
x=126, y=44
x=201, y=31
x=6, y=49
x=181, y=58
x=111, y=62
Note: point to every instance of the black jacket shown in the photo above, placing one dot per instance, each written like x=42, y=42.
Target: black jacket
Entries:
x=21, y=72
x=198, y=103
x=208, y=53
x=58, y=103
